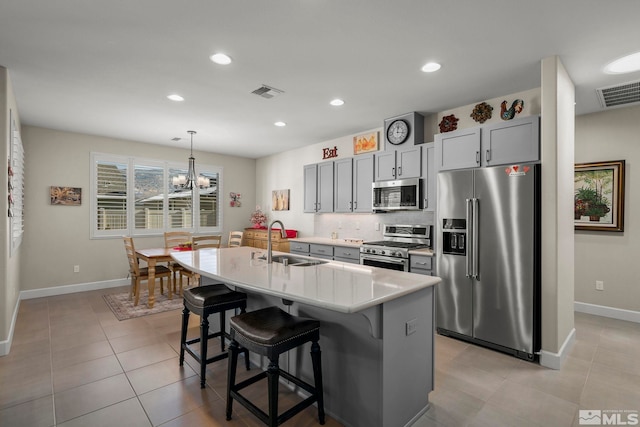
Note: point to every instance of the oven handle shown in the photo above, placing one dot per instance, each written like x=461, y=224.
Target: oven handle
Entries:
x=384, y=258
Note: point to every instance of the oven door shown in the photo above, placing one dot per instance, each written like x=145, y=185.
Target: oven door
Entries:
x=399, y=264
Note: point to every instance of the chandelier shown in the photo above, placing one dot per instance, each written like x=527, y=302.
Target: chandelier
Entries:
x=191, y=180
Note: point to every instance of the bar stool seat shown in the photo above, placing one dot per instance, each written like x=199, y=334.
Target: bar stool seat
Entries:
x=203, y=301
x=270, y=332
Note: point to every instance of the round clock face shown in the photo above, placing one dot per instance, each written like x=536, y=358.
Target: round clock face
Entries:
x=398, y=132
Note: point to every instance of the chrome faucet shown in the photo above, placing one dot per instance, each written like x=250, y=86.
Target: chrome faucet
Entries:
x=283, y=233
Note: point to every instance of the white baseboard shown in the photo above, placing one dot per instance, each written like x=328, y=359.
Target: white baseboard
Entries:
x=69, y=289
x=5, y=346
x=554, y=360
x=604, y=311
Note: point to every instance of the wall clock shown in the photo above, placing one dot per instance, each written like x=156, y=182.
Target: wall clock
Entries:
x=398, y=132
x=404, y=129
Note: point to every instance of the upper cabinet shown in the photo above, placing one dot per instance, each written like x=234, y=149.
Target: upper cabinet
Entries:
x=352, y=184
x=399, y=164
x=318, y=187
x=429, y=173
x=513, y=141
x=459, y=149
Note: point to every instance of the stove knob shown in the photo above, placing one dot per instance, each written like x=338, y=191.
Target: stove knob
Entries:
x=381, y=252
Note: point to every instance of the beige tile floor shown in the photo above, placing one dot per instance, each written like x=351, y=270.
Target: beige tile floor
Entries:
x=72, y=363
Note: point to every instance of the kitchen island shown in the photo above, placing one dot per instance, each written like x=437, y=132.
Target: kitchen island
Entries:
x=377, y=328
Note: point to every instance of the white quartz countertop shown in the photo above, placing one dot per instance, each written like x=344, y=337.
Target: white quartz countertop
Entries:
x=337, y=286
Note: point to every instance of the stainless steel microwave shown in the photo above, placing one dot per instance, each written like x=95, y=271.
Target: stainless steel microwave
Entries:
x=397, y=195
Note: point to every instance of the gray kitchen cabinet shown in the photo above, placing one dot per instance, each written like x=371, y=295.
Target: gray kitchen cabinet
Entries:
x=318, y=187
x=349, y=254
x=459, y=149
x=429, y=173
x=321, y=251
x=299, y=248
x=352, y=184
x=399, y=164
x=421, y=264
x=513, y=141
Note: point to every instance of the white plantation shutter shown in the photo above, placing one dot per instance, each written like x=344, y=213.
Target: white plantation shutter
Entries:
x=149, y=197
x=133, y=196
x=209, y=202
x=16, y=187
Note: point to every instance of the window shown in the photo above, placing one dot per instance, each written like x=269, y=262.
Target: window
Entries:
x=134, y=196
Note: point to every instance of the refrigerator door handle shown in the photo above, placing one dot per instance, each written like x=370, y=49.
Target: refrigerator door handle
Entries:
x=475, y=227
x=469, y=256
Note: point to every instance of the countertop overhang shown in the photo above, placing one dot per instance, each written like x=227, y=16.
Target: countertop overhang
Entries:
x=337, y=286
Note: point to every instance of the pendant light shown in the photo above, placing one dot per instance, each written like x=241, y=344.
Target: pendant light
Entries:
x=192, y=179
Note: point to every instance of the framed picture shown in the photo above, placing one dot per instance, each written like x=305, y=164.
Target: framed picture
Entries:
x=280, y=200
x=68, y=196
x=599, y=196
x=365, y=143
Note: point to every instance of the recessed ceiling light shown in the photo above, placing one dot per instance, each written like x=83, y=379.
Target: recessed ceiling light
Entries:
x=337, y=102
x=175, y=97
x=280, y=124
x=221, y=58
x=430, y=67
x=626, y=64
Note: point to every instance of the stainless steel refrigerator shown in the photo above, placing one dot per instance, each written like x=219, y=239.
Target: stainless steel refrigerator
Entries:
x=488, y=256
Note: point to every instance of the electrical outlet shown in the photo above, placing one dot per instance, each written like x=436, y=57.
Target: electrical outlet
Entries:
x=339, y=224
x=599, y=285
x=376, y=226
x=76, y=269
x=357, y=225
x=411, y=326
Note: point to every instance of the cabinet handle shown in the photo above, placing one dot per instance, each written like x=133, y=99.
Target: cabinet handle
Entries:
x=355, y=205
x=478, y=157
x=350, y=205
x=421, y=263
x=487, y=156
x=399, y=170
x=393, y=171
x=425, y=203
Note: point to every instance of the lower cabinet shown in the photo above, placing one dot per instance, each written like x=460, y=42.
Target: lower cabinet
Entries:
x=349, y=254
x=258, y=238
x=421, y=264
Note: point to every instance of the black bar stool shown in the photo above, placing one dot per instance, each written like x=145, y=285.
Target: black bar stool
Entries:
x=271, y=332
x=203, y=301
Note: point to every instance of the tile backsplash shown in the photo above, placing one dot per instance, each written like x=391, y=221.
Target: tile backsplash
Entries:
x=363, y=226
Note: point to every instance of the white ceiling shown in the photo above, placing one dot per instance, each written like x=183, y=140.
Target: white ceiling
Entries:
x=106, y=67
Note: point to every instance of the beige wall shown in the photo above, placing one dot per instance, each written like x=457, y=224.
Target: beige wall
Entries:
x=9, y=263
x=608, y=256
x=57, y=237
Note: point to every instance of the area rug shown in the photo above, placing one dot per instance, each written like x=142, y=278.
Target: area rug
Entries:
x=124, y=309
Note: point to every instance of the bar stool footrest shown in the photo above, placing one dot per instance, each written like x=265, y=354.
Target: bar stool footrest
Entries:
x=289, y=413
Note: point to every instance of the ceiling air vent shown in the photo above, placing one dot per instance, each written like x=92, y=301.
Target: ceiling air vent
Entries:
x=176, y=139
x=267, y=91
x=619, y=95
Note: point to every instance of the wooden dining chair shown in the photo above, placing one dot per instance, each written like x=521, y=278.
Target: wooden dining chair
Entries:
x=174, y=239
x=200, y=242
x=235, y=239
x=138, y=274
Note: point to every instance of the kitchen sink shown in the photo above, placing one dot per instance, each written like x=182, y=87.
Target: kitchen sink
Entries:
x=296, y=261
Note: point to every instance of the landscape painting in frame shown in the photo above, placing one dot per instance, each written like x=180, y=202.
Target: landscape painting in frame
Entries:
x=280, y=200
x=67, y=196
x=599, y=196
x=365, y=143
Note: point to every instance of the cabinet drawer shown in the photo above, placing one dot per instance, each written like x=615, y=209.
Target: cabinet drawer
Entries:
x=345, y=252
x=420, y=262
x=348, y=260
x=249, y=234
x=299, y=247
x=324, y=250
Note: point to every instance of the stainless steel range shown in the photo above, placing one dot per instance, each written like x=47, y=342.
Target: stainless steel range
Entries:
x=393, y=251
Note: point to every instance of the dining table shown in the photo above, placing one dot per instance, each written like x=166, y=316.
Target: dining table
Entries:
x=152, y=256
